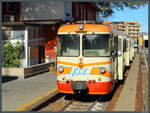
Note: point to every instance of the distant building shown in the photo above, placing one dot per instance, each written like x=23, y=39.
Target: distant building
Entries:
x=133, y=29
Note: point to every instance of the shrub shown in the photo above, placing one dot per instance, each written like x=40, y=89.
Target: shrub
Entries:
x=11, y=55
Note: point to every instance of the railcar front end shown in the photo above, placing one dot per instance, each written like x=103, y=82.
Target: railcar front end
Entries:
x=84, y=61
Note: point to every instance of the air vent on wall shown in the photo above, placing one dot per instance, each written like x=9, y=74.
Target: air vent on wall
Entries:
x=9, y=18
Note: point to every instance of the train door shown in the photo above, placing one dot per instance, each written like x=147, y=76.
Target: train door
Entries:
x=130, y=49
x=114, y=45
x=124, y=53
x=120, y=58
x=127, y=54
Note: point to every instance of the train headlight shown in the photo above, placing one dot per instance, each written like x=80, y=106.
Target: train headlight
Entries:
x=81, y=26
x=60, y=69
x=102, y=70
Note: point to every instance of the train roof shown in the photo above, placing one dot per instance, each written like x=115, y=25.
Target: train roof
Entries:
x=119, y=33
x=87, y=28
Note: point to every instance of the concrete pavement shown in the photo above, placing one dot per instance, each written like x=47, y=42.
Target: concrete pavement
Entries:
x=127, y=97
x=19, y=92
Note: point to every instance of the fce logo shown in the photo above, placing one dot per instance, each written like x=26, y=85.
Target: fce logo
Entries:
x=78, y=71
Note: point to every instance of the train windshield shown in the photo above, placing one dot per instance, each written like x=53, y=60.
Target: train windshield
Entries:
x=68, y=45
x=95, y=45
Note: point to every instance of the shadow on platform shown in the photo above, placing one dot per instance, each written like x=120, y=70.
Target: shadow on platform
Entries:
x=8, y=78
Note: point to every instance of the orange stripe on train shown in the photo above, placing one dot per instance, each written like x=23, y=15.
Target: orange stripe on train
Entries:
x=98, y=63
x=95, y=71
x=67, y=70
x=84, y=65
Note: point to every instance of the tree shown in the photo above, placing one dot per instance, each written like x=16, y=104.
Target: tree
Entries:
x=106, y=7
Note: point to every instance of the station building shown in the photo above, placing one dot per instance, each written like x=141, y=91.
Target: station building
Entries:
x=35, y=25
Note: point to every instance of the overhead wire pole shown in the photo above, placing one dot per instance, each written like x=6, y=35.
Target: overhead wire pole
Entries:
x=148, y=44
x=1, y=51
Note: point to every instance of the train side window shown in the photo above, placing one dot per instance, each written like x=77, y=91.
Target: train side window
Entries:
x=127, y=44
x=119, y=45
x=124, y=44
x=112, y=45
x=115, y=45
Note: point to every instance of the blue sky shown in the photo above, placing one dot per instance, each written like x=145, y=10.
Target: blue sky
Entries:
x=132, y=15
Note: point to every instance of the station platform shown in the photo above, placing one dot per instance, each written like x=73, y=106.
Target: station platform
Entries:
x=18, y=92
x=127, y=98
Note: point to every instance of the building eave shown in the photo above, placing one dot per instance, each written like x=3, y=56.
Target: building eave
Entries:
x=12, y=23
x=34, y=22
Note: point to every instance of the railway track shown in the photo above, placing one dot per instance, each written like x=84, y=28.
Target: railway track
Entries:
x=71, y=103
x=86, y=106
x=63, y=102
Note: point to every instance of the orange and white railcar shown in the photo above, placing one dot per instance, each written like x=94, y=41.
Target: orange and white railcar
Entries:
x=88, y=58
